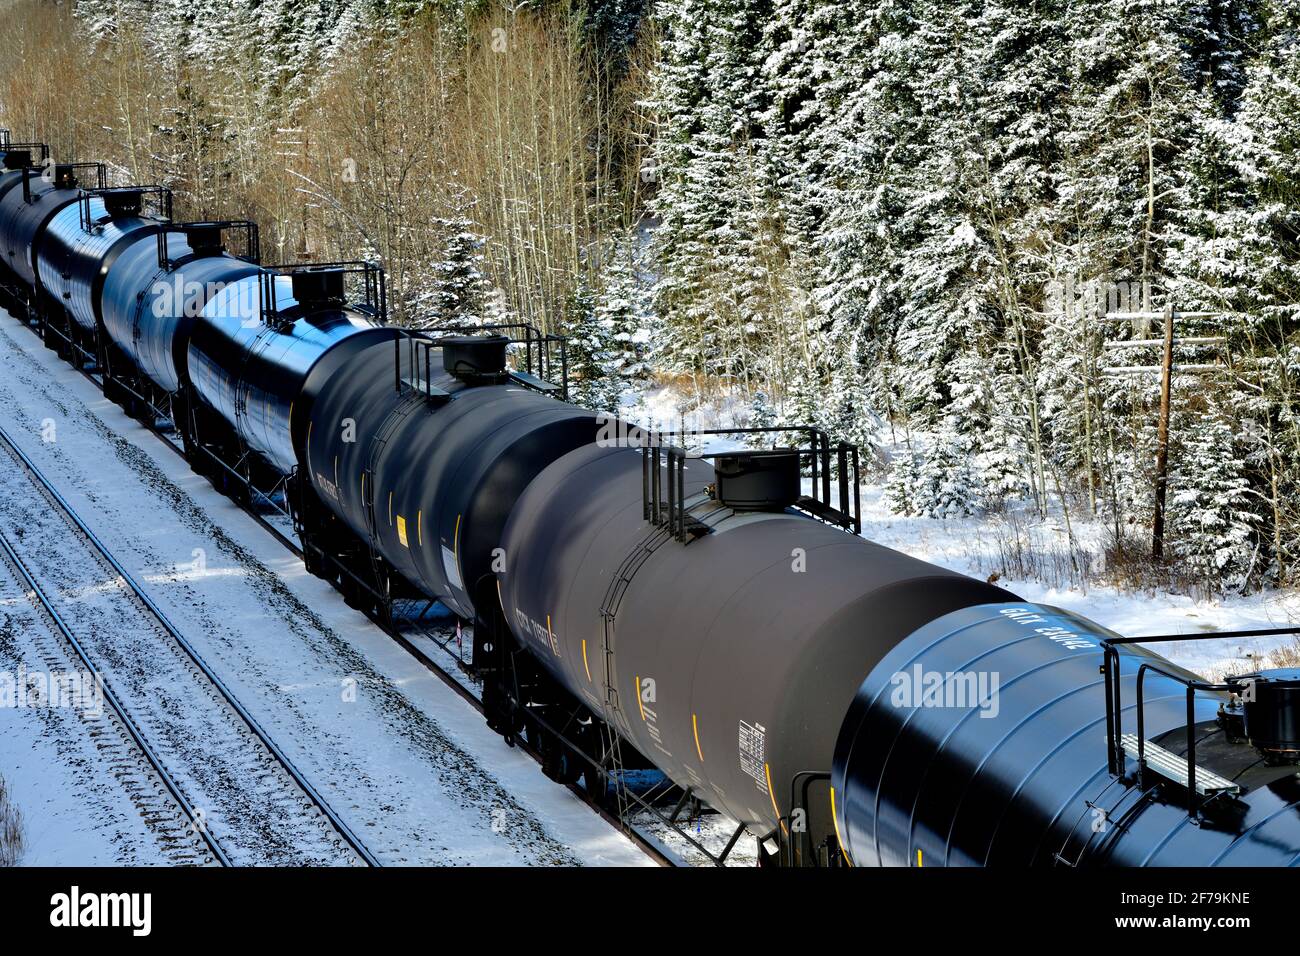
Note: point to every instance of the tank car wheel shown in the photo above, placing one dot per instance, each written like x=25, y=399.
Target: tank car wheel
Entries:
x=557, y=763
x=596, y=782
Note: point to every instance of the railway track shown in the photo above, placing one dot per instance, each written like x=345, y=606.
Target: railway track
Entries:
x=410, y=641
x=256, y=805
x=136, y=766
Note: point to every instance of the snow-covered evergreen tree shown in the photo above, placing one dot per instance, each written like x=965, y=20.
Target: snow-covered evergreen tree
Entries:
x=1212, y=524
x=621, y=310
x=455, y=293
x=938, y=481
x=858, y=211
x=718, y=238
x=591, y=351
x=761, y=415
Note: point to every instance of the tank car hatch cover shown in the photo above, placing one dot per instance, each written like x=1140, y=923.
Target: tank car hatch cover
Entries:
x=15, y=159
x=1271, y=701
x=474, y=358
x=204, y=239
x=320, y=286
x=766, y=480
x=125, y=201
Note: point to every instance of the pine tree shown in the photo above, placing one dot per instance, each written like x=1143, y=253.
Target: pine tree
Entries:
x=761, y=415
x=937, y=482
x=713, y=246
x=458, y=294
x=591, y=353
x=1212, y=524
x=621, y=312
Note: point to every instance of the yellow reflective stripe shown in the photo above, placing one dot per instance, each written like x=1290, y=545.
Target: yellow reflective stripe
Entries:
x=918, y=856
x=637, y=682
x=419, y=527
x=584, y=660
x=767, y=770
x=695, y=729
x=455, y=542
x=836, y=820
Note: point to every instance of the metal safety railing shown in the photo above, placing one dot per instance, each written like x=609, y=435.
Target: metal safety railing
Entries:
x=543, y=354
x=365, y=286
x=124, y=200
x=664, y=465
x=62, y=175
x=216, y=230
x=1116, y=750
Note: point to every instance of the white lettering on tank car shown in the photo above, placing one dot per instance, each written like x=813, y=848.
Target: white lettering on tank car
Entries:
x=1070, y=640
x=537, y=632
x=646, y=699
x=327, y=486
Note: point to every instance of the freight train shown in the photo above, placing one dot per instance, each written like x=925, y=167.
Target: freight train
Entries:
x=717, y=618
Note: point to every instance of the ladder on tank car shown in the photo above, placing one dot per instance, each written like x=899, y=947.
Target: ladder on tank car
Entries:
x=616, y=722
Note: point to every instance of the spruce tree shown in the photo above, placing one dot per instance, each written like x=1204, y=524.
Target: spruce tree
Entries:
x=591, y=353
x=1212, y=523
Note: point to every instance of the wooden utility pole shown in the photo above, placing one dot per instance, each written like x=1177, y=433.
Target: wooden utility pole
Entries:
x=1166, y=370
x=1162, y=438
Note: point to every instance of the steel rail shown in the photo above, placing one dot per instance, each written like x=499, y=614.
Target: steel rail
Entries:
x=111, y=698
x=248, y=719
x=649, y=846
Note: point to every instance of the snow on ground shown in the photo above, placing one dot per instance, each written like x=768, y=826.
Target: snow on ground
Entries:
x=970, y=546
x=76, y=808
x=412, y=768
x=254, y=812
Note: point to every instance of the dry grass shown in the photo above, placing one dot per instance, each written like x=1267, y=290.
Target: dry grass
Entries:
x=1286, y=656
x=507, y=128
x=1026, y=552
